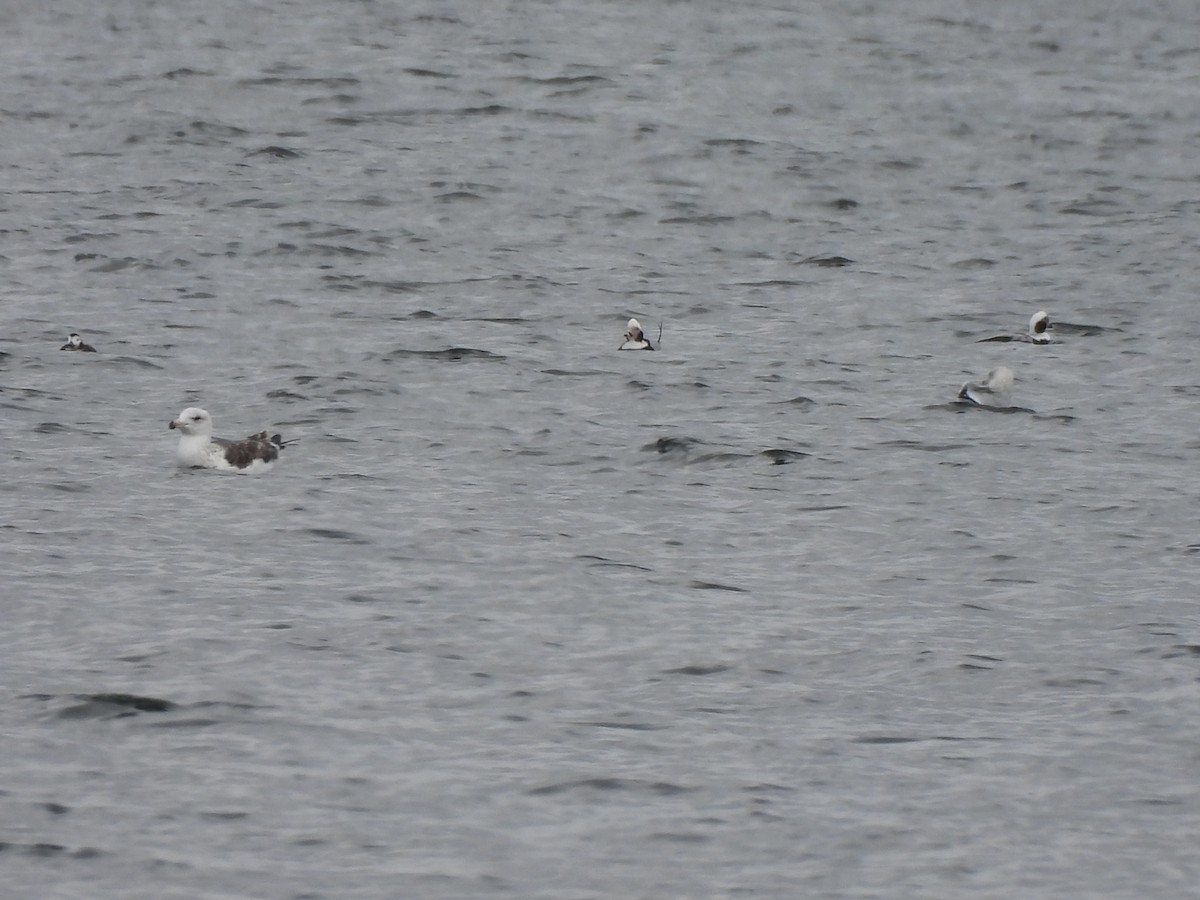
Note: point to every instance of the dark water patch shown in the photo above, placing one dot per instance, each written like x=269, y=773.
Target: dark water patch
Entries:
x=1091, y=206
x=714, y=586
x=215, y=129
x=224, y=816
x=602, y=562
x=768, y=788
x=276, y=152
x=133, y=361
x=332, y=82
x=186, y=72
x=188, y=295
x=658, y=788
x=1159, y=801
x=829, y=262
x=799, y=401
x=492, y=109
x=429, y=73
x=254, y=203
x=343, y=250
x=562, y=80
x=842, y=204
x=625, y=726
x=88, y=236
x=68, y=487
x=284, y=395
x=340, y=231
x=709, y=219
x=456, y=196
x=574, y=372
x=1182, y=650
x=114, y=706
x=715, y=669
x=119, y=265
x=680, y=446
x=781, y=457
x=773, y=282
x=47, y=850
x=962, y=406
x=334, y=534
x=723, y=456
x=973, y=263
x=743, y=144
x=415, y=287
x=922, y=445
x=51, y=428
x=56, y=809
x=452, y=354
x=1079, y=682
x=886, y=739
x=1080, y=330
x=679, y=837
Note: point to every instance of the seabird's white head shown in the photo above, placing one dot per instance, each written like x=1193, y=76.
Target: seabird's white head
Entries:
x=1039, y=324
x=193, y=422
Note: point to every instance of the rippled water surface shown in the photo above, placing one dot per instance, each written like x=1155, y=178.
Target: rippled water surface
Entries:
x=761, y=614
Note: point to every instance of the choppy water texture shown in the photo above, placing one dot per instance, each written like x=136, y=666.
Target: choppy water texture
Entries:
x=761, y=614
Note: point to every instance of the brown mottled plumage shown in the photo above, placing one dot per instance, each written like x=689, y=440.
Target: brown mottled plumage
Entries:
x=240, y=454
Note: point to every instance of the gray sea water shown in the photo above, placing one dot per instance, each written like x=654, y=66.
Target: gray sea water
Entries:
x=762, y=614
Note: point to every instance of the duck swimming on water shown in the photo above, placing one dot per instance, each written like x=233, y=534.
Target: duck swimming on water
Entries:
x=635, y=338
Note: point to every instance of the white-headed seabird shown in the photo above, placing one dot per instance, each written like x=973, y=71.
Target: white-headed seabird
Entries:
x=1039, y=325
x=992, y=391
x=198, y=449
x=635, y=338
x=75, y=342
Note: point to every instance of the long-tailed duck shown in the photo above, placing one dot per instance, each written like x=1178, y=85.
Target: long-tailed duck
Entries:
x=635, y=338
x=75, y=342
x=992, y=391
x=198, y=449
x=1039, y=324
